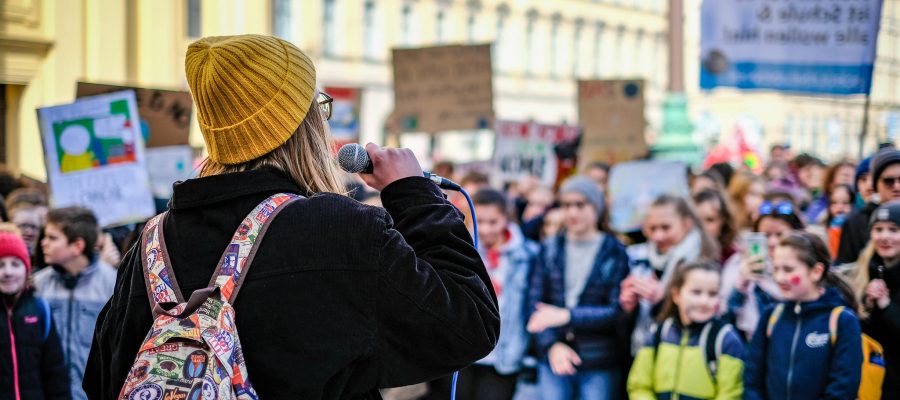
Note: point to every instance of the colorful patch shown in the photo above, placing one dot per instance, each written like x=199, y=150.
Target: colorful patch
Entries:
x=195, y=365
x=209, y=388
x=166, y=348
x=147, y=391
x=175, y=394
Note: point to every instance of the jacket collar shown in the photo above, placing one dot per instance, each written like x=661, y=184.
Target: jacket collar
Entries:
x=208, y=190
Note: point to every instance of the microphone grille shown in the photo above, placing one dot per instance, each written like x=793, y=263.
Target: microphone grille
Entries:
x=353, y=158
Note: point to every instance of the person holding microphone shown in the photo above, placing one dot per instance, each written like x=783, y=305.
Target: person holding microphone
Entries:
x=341, y=298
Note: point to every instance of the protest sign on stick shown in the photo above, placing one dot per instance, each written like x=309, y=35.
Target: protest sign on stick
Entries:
x=528, y=148
x=95, y=157
x=634, y=185
x=165, y=114
x=443, y=88
x=612, y=114
x=822, y=46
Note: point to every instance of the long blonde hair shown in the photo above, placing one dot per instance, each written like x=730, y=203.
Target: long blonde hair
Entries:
x=738, y=188
x=859, y=277
x=307, y=157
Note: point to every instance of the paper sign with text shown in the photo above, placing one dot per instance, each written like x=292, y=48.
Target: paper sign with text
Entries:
x=165, y=114
x=612, y=114
x=822, y=46
x=443, y=88
x=528, y=148
x=95, y=157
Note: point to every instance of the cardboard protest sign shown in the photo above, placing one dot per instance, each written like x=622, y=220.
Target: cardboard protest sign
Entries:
x=528, y=148
x=612, y=115
x=632, y=191
x=823, y=46
x=164, y=114
x=94, y=154
x=443, y=88
x=345, y=108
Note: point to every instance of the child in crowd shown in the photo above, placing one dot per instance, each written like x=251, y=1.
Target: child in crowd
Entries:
x=575, y=293
x=687, y=338
x=509, y=259
x=75, y=284
x=746, y=192
x=793, y=354
x=747, y=285
x=715, y=215
x=33, y=365
x=877, y=284
x=675, y=235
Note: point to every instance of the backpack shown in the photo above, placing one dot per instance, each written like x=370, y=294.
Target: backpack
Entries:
x=192, y=350
x=873, y=353
x=711, y=349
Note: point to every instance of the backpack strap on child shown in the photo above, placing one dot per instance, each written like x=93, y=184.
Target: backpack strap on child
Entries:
x=833, y=323
x=45, y=315
x=711, y=341
x=773, y=318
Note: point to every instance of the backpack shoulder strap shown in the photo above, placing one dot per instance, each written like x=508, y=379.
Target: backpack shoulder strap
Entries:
x=773, y=318
x=833, y=323
x=159, y=278
x=711, y=342
x=239, y=254
x=45, y=314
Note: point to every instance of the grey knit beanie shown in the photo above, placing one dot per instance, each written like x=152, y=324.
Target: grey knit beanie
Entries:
x=586, y=187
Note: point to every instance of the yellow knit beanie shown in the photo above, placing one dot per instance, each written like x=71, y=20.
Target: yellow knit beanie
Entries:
x=251, y=92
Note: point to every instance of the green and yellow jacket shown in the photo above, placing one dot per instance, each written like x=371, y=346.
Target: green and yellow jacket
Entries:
x=700, y=361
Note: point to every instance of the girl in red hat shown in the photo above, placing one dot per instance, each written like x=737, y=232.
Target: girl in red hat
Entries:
x=32, y=365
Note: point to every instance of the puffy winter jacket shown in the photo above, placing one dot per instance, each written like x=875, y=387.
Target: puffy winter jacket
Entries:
x=30, y=351
x=798, y=362
x=675, y=366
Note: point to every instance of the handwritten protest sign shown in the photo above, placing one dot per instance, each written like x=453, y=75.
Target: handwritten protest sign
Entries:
x=822, y=46
x=612, y=114
x=94, y=154
x=527, y=148
x=443, y=88
x=164, y=114
x=631, y=192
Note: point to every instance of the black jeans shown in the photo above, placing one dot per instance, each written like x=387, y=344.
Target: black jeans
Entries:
x=476, y=382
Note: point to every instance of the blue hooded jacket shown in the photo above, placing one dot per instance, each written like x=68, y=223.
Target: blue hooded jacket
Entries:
x=798, y=361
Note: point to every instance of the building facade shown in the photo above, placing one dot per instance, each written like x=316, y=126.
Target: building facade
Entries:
x=540, y=49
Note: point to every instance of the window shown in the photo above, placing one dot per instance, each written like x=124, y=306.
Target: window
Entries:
x=621, y=60
x=639, y=64
x=441, y=18
x=576, y=45
x=470, y=26
x=193, y=19
x=500, y=40
x=555, y=56
x=281, y=19
x=406, y=24
x=598, y=48
x=529, y=42
x=330, y=31
x=369, y=50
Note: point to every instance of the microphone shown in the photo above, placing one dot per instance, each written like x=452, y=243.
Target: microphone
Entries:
x=354, y=159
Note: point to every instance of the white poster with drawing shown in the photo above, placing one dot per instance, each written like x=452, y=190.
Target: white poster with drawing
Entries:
x=95, y=157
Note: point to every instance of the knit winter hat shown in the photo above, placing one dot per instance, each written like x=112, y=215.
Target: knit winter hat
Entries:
x=12, y=244
x=881, y=160
x=251, y=92
x=586, y=187
x=889, y=212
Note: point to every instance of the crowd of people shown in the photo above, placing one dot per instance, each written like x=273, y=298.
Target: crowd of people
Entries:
x=754, y=286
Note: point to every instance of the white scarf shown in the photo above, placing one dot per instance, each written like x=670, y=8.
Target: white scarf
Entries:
x=688, y=250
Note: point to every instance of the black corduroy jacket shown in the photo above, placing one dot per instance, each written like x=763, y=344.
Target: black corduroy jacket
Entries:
x=341, y=299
